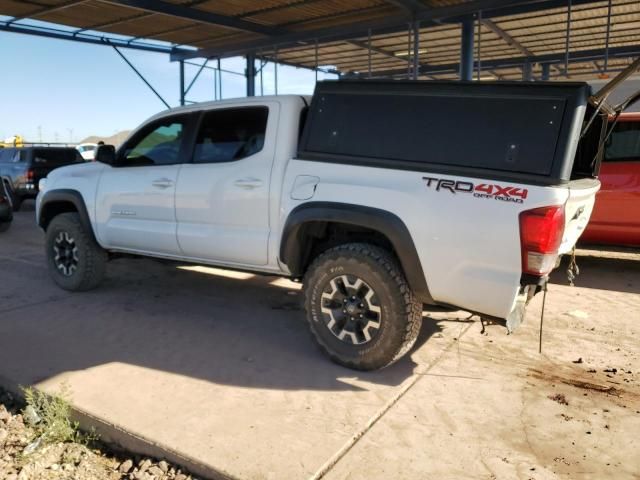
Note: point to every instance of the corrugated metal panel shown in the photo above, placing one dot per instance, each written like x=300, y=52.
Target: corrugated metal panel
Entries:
x=538, y=33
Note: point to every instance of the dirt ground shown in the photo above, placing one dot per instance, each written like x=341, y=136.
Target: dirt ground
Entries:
x=25, y=454
x=179, y=362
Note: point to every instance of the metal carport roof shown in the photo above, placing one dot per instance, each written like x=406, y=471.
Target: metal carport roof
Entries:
x=512, y=39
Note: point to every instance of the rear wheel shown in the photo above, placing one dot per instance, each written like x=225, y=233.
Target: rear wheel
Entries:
x=76, y=262
x=14, y=199
x=360, y=308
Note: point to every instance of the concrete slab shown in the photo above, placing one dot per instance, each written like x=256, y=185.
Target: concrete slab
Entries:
x=216, y=371
x=487, y=409
x=216, y=366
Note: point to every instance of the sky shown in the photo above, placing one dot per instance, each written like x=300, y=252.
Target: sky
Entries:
x=58, y=90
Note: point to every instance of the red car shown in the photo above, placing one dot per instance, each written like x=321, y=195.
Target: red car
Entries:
x=616, y=216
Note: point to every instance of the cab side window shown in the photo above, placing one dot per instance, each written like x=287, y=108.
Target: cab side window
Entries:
x=231, y=134
x=156, y=144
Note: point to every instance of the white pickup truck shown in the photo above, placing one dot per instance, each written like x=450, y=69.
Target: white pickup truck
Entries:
x=382, y=197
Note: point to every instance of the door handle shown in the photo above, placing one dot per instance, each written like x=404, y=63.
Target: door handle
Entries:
x=248, y=183
x=162, y=183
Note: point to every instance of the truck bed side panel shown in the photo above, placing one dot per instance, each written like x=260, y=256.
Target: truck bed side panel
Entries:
x=467, y=239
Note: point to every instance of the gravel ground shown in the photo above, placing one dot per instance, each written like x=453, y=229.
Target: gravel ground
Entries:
x=67, y=461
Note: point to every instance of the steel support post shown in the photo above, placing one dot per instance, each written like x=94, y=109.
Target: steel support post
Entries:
x=181, y=63
x=527, y=72
x=250, y=73
x=416, y=49
x=567, y=40
x=275, y=70
x=315, y=70
x=466, y=49
x=219, y=80
x=479, y=70
x=606, y=41
x=215, y=85
x=546, y=68
x=408, y=51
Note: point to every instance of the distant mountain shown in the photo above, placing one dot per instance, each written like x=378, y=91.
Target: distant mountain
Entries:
x=116, y=139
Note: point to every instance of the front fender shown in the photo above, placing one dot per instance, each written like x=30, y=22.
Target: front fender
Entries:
x=50, y=204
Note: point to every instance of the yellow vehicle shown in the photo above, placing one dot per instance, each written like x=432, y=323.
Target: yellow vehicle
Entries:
x=15, y=141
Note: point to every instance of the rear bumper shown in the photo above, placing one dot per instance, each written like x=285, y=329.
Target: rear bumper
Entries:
x=534, y=280
x=27, y=190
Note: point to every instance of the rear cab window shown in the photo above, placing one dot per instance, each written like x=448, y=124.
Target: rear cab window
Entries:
x=55, y=157
x=230, y=134
x=623, y=145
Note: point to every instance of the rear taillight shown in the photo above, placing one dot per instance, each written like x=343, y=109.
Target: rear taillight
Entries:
x=541, y=231
x=30, y=175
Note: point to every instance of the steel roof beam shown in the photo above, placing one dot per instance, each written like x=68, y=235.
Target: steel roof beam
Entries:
x=92, y=39
x=275, y=8
x=113, y=23
x=381, y=51
x=491, y=25
x=388, y=24
x=130, y=19
x=517, y=62
x=249, y=13
x=445, y=55
x=271, y=59
x=201, y=16
x=523, y=8
x=510, y=40
x=410, y=6
x=49, y=9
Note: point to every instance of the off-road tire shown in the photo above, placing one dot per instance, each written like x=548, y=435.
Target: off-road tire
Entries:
x=401, y=313
x=16, y=200
x=91, y=258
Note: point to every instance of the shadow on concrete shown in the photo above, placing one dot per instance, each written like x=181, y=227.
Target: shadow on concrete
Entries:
x=605, y=273
x=249, y=331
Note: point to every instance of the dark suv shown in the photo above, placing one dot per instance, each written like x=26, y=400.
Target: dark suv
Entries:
x=22, y=168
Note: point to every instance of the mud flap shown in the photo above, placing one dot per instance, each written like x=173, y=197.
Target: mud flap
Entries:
x=515, y=318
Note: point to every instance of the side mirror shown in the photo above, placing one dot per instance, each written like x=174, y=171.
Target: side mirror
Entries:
x=106, y=154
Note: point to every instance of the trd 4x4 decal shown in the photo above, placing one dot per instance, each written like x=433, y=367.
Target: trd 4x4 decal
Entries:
x=482, y=190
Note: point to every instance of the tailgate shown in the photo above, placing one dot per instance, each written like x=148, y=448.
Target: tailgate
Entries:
x=582, y=195
x=39, y=172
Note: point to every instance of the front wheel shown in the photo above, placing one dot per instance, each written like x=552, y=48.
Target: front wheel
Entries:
x=76, y=262
x=360, y=307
